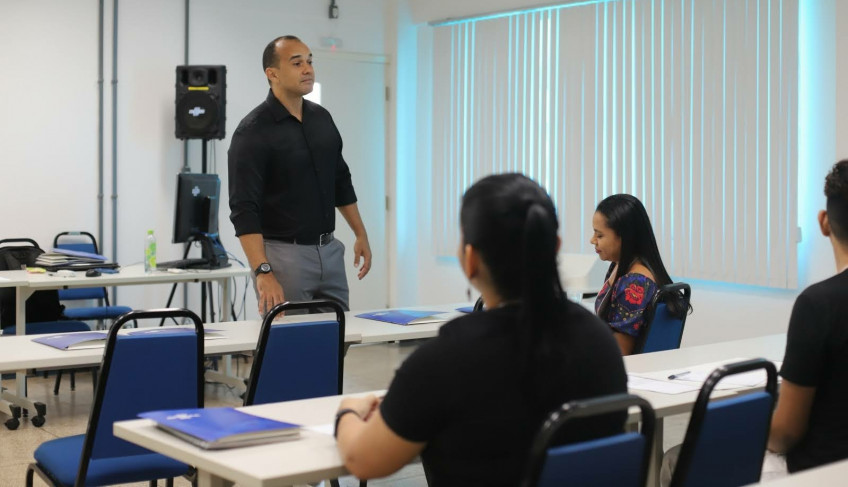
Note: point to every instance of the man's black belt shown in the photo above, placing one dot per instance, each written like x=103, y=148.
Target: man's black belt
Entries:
x=320, y=240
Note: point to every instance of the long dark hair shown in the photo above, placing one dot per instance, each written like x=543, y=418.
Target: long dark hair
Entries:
x=511, y=221
x=627, y=217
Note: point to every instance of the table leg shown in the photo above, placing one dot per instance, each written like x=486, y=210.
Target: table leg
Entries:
x=656, y=455
x=225, y=299
x=206, y=479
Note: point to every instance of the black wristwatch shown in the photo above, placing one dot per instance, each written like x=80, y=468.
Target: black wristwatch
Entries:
x=264, y=268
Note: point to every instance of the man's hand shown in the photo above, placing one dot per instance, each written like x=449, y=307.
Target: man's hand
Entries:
x=270, y=292
x=361, y=248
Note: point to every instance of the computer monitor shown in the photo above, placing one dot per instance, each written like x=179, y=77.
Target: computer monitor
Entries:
x=196, y=210
x=196, y=215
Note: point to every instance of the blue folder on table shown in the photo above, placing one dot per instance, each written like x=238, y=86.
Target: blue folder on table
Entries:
x=74, y=341
x=406, y=316
x=217, y=428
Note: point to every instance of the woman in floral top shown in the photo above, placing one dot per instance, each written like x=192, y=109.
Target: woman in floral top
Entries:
x=623, y=236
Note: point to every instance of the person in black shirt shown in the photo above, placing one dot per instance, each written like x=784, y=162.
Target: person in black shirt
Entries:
x=471, y=400
x=810, y=423
x=286, y=176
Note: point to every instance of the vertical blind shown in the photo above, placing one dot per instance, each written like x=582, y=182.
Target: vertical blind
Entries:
x=690, y=105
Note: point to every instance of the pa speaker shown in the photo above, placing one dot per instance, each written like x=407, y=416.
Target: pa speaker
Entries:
x=201, y=102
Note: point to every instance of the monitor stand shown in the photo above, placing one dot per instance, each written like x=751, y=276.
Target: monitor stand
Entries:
x=212, y=251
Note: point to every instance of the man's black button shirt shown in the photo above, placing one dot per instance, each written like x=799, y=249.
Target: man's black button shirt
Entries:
x=286, y=177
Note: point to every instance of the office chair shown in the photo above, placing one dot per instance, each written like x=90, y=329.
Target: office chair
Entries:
x=621, y=459
x=665, y=319
x=725, y=441
x=139, y=373
x=98, y=313
x=298, y=360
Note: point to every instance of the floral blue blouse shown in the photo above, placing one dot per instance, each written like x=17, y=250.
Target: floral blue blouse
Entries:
x=630, y=297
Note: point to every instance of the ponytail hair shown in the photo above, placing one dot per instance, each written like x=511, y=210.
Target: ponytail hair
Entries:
x=511, y=221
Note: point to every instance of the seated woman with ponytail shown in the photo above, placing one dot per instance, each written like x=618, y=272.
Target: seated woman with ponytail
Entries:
x=471, y=400
x=623, y=236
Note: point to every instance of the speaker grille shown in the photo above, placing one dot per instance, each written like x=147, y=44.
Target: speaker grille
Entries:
x=200, y=102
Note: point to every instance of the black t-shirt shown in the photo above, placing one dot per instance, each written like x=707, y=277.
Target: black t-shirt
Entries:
x=464, y=395
x=817, y=356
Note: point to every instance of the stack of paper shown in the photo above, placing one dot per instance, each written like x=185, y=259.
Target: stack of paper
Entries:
x=217, y=428
x=71, y=259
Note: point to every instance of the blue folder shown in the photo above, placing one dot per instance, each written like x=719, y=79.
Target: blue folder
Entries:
x=74, y=341
x=405, y=316
x=217, y=428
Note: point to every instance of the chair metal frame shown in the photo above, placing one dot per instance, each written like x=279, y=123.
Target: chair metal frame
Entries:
x=700, y=409
x=680, y=288
x=584, y=409
x=265, y=332
x=91, y=430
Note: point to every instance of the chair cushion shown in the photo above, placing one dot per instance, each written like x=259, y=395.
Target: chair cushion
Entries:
x=60, y=459
x=82, y=293
x=96, y=312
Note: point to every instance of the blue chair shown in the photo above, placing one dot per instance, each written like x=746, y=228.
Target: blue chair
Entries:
x=665, y=319
x=621, y=459
x=297, y=360
x=726, y=440
x=52, y=328
x=98, y=313
x=139, y=373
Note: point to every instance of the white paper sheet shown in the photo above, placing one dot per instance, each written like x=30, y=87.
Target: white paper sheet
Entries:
x=658, y=385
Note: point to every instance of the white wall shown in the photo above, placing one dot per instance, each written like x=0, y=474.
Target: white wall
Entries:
x=48, y=109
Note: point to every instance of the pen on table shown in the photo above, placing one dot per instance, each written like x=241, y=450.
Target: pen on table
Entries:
x=677, y=375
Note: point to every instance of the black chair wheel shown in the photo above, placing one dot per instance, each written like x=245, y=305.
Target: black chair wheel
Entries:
x=40, y=409
x=38, y=421
x=12, y=423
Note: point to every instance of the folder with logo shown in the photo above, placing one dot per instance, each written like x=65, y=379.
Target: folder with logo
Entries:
x=406, y=316
x=74, y=341
x=219, y=428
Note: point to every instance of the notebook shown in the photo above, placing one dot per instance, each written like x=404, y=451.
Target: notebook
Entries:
x=219, y=428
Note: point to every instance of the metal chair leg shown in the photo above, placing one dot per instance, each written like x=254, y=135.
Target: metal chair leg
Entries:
x=73, y=381
x=58, y=382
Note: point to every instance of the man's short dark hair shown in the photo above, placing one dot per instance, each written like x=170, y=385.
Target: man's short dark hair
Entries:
x=836, y=191
x=269, y=55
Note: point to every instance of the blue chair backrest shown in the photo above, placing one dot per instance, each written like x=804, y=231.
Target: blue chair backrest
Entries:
x=729, y=451
x=81, y=292
x=145, y=373
x=300, y=362
x=621, y=459
x=726, y=440
x=589, y=462
x=297, y=360
x=664, y=329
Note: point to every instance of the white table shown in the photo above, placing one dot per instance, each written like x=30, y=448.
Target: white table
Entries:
x=25, y=284
x=826, y=475
x=770, y=347
x=315, y=457
x=312, y=457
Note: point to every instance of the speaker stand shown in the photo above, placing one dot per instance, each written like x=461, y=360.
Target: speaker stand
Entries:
x=204, y=156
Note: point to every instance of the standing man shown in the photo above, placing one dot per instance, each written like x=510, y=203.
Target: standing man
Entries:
x=810, y=424
x=286, y=175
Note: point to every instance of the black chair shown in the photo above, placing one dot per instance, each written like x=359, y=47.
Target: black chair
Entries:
x=138, y=373
x=665, y=319
x=725, y=441
x=620, y=460
x=478, y=305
